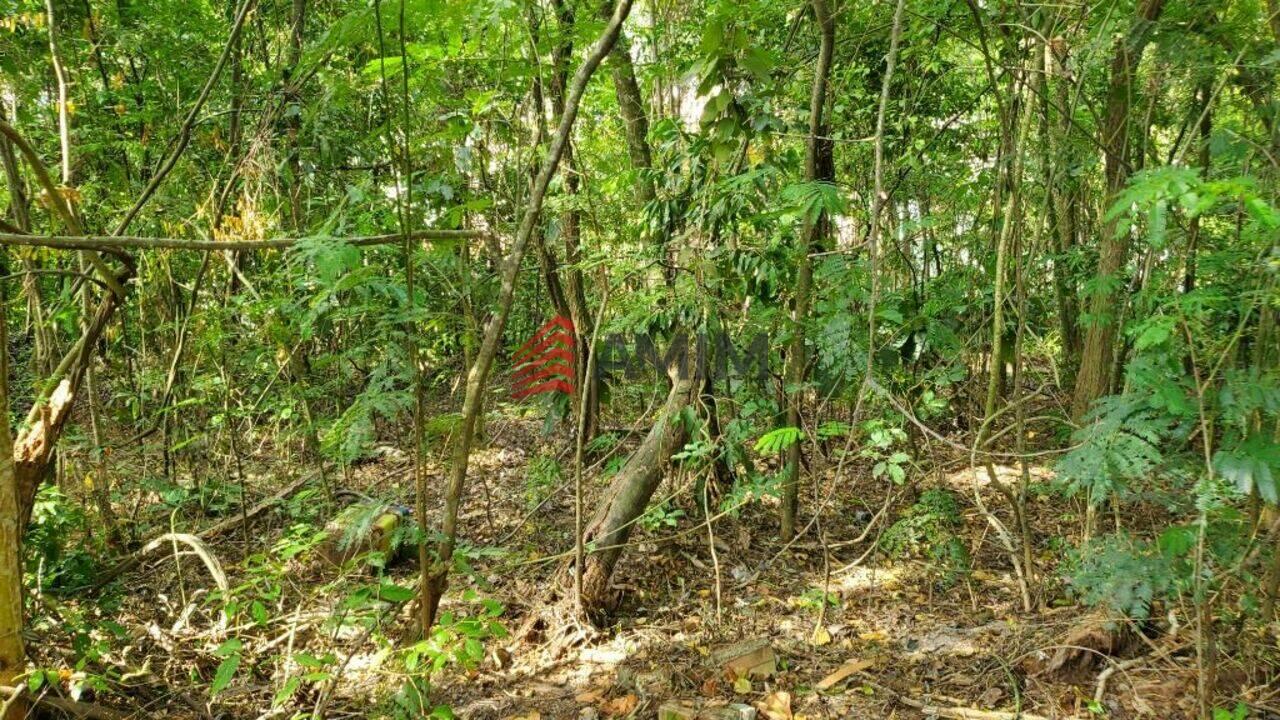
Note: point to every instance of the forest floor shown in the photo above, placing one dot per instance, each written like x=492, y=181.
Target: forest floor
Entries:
x=893, y=638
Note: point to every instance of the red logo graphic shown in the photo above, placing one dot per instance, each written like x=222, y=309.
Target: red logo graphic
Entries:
x=544, y=363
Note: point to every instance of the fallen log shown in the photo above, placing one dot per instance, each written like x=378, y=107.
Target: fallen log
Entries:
x=134, y=559
x=256, y=510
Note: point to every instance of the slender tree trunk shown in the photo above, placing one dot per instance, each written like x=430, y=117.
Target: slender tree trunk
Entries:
x=1205, y=95
x=293, y=117
x=818, y=166
x=1097, y=355
x=1064, y=199
x=13, y=657
x=477, y=377
x=571, y=230
x=60, y=74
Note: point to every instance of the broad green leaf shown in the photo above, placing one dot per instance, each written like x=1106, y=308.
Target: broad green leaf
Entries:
x=223, y=675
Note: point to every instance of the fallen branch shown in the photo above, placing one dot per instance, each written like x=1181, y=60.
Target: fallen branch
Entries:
x=134, y=559
x=953, y=712
x=1100, y=689
x=198, y=547
x=110, y=242
x=257, y=510
x=71, y=707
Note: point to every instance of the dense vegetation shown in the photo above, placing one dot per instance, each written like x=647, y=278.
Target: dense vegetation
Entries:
x=887, y=326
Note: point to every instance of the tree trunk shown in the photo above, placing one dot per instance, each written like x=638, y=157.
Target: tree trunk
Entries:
x=575, y=295
x=818, y=165
x=1097, y=356
x=477, y=378
x=1064, y=197
x=631, y=105
x=13, y=658
x=293, y=118
x=629, y=493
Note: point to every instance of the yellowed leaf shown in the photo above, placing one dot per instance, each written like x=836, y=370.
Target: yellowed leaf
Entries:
x=821, y=636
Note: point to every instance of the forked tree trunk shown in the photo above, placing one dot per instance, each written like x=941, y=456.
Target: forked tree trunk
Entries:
x=628, y=496
x=1097, y=357
x=436, y=579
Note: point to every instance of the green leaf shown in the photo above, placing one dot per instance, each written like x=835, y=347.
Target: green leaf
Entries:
x=311, y=661
x=1251, y=467
x=833, y=428
x=286, y=691
x=775, y=441
x=758, y=62
x=229, y=647
x=223, y=675
x=392, y=592
x=1154, y=332
x=1177, y=541
x=259, y=613
x=712, y=37
x=898, y=474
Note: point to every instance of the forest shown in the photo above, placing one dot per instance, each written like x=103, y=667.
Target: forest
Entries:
x=607, y=359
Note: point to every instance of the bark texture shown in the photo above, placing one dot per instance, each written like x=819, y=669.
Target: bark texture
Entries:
x=629, y=494
x=1097, y=358
x=12, y=652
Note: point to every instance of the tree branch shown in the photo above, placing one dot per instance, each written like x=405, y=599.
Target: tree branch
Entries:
x=114, y=242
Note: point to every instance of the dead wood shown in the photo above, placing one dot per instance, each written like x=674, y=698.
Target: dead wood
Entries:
x=134, y=559
x=951, y=712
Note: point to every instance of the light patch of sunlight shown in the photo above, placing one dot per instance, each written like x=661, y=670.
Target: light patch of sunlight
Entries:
x=365, y=663
x=968, y=478
x=860, y=579
x=612, y=653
